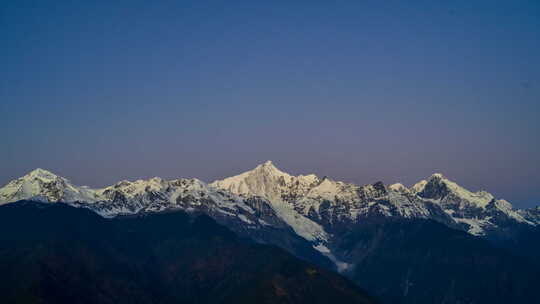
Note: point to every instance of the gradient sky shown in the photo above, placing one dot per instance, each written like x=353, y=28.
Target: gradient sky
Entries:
x=359, y=91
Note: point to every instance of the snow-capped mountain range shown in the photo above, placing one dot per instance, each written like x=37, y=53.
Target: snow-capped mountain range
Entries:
x=265, y=200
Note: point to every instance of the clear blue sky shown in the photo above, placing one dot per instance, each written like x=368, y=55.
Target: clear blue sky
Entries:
x=357, y=90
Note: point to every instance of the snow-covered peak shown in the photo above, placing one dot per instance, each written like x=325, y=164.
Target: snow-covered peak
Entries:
x=265, y=181
x=268, y=168
x=398, y=187
x=478, y=211
x=131, y=189
x=506, y=208
x=326, y=189
x=437, y=175
x=419, y=187
x=438, y=187
x=434, y=178
x=41, y=174
x=281, y=190
x=43, y=185
x=268, y=165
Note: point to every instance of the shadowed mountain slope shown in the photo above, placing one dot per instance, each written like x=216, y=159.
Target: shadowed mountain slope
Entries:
x=422, y=261
x=54, y=253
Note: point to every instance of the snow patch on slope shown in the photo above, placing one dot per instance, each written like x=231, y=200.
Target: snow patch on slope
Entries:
x=476, y=226
x=341, y=266
x=303, y=226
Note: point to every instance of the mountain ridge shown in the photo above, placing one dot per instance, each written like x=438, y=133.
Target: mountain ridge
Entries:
x=171, y=257
x=301, y=195
x=305, y=206
x=353, y=229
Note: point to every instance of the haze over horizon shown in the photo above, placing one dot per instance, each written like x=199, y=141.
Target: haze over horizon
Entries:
x=99, y=92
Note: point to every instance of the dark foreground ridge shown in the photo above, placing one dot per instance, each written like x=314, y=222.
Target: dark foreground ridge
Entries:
x=422, y=261
x=54, y=253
